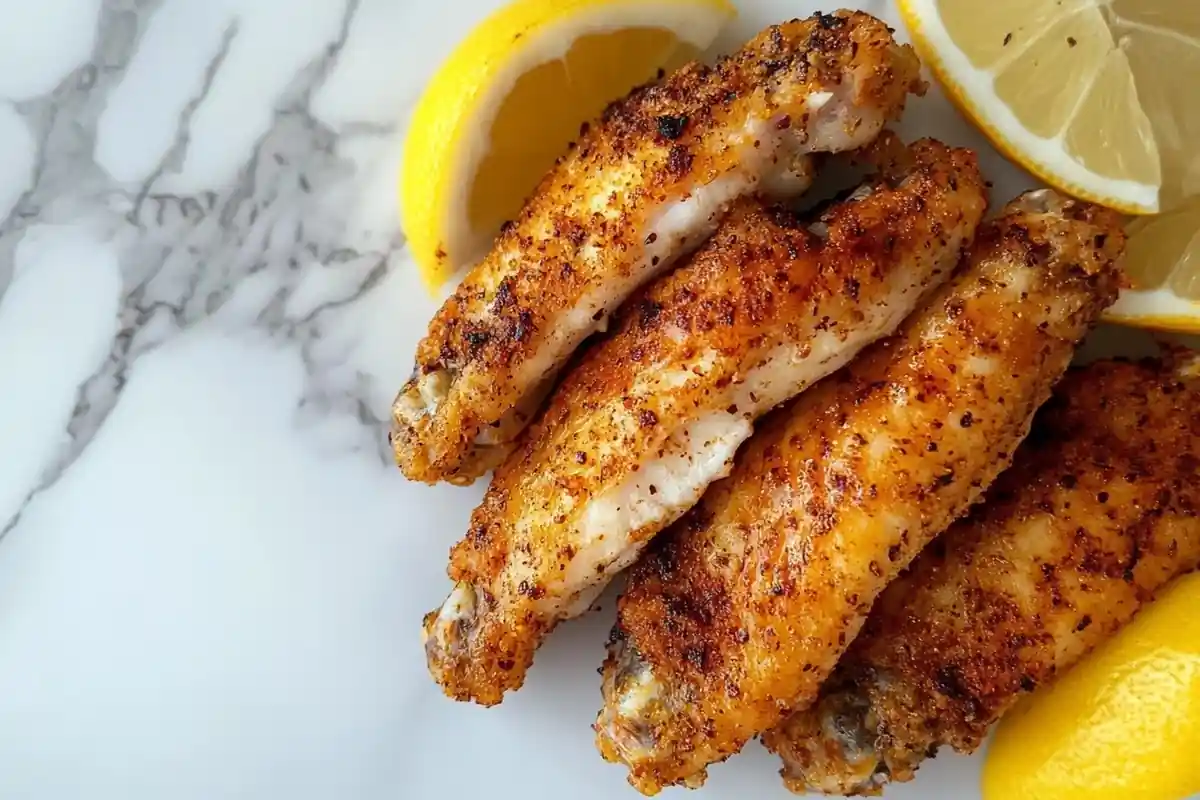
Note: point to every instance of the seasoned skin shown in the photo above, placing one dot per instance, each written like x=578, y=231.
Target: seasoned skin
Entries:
x=652, y=415
x=740, y=611
x=1100, y=509
x=647, y=182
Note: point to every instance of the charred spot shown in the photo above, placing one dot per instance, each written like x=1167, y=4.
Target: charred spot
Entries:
x=504, y=296
x=1135, y=555
x=829, y=22
x=967, y=420
x=476, y=339
x=531, y=590
x=648, y=313
x=852, y=288
x=647, y=418
x=615, y=636
x=950, y=683
x=783, y=123
x=772, y=65
x=580, y=457
x=1084, y=622
x=524, y=326
x=695, y=656
x=672, y=127
x=1028, y=684
x=573, y=232
x=679, y=160
x=777, y=40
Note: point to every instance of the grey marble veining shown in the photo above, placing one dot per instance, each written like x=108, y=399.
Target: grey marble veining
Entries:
x=184, y=257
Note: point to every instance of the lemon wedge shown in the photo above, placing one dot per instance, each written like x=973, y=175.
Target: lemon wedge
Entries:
x=1096, y=97
x=510, y=99
x=1163, y=263
x=1123, y=724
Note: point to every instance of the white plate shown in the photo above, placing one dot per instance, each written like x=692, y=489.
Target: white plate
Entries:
x=537, y=743
x=221, y=597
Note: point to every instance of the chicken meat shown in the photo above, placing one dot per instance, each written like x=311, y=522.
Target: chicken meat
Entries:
x=644, y=184
x=1100, y=509
x=653, y=414
x=739, y=612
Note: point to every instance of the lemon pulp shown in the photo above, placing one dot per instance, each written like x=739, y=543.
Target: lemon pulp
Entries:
x=1097, y=97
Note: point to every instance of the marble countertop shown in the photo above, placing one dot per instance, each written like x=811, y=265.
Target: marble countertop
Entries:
x=205, y=309
x=211, y=574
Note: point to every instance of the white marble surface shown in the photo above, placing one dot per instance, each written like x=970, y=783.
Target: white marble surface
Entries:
x=211, y=576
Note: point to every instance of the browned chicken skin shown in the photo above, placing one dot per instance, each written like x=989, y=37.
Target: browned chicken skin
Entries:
x=1100, y=509
x=643, y=185
x=740, y=611
x=652, y=415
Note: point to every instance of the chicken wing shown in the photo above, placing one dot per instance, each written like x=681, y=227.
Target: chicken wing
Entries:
x=740, y=611
x=1098, y=512
x=654, y=414
x=648, y=181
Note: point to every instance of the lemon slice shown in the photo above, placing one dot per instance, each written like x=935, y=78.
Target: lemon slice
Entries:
x=510, y=99
x=1096, y=97
x=1163, y=263
x=1124, y=723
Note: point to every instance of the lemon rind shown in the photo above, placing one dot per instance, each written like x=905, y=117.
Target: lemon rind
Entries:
x=964, y=81
x=1156, y=309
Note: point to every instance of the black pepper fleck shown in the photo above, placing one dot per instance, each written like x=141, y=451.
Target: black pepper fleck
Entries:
x=670, y=127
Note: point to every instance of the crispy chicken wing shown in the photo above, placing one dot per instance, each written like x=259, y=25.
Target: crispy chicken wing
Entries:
x=648, y=181
x=740, y=611
x=654, y=414
x=1100, y=509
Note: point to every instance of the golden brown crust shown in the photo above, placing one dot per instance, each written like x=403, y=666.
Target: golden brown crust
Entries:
x=741, y=610
x=765, y=287
x=581, y=234
x=1100, y=509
